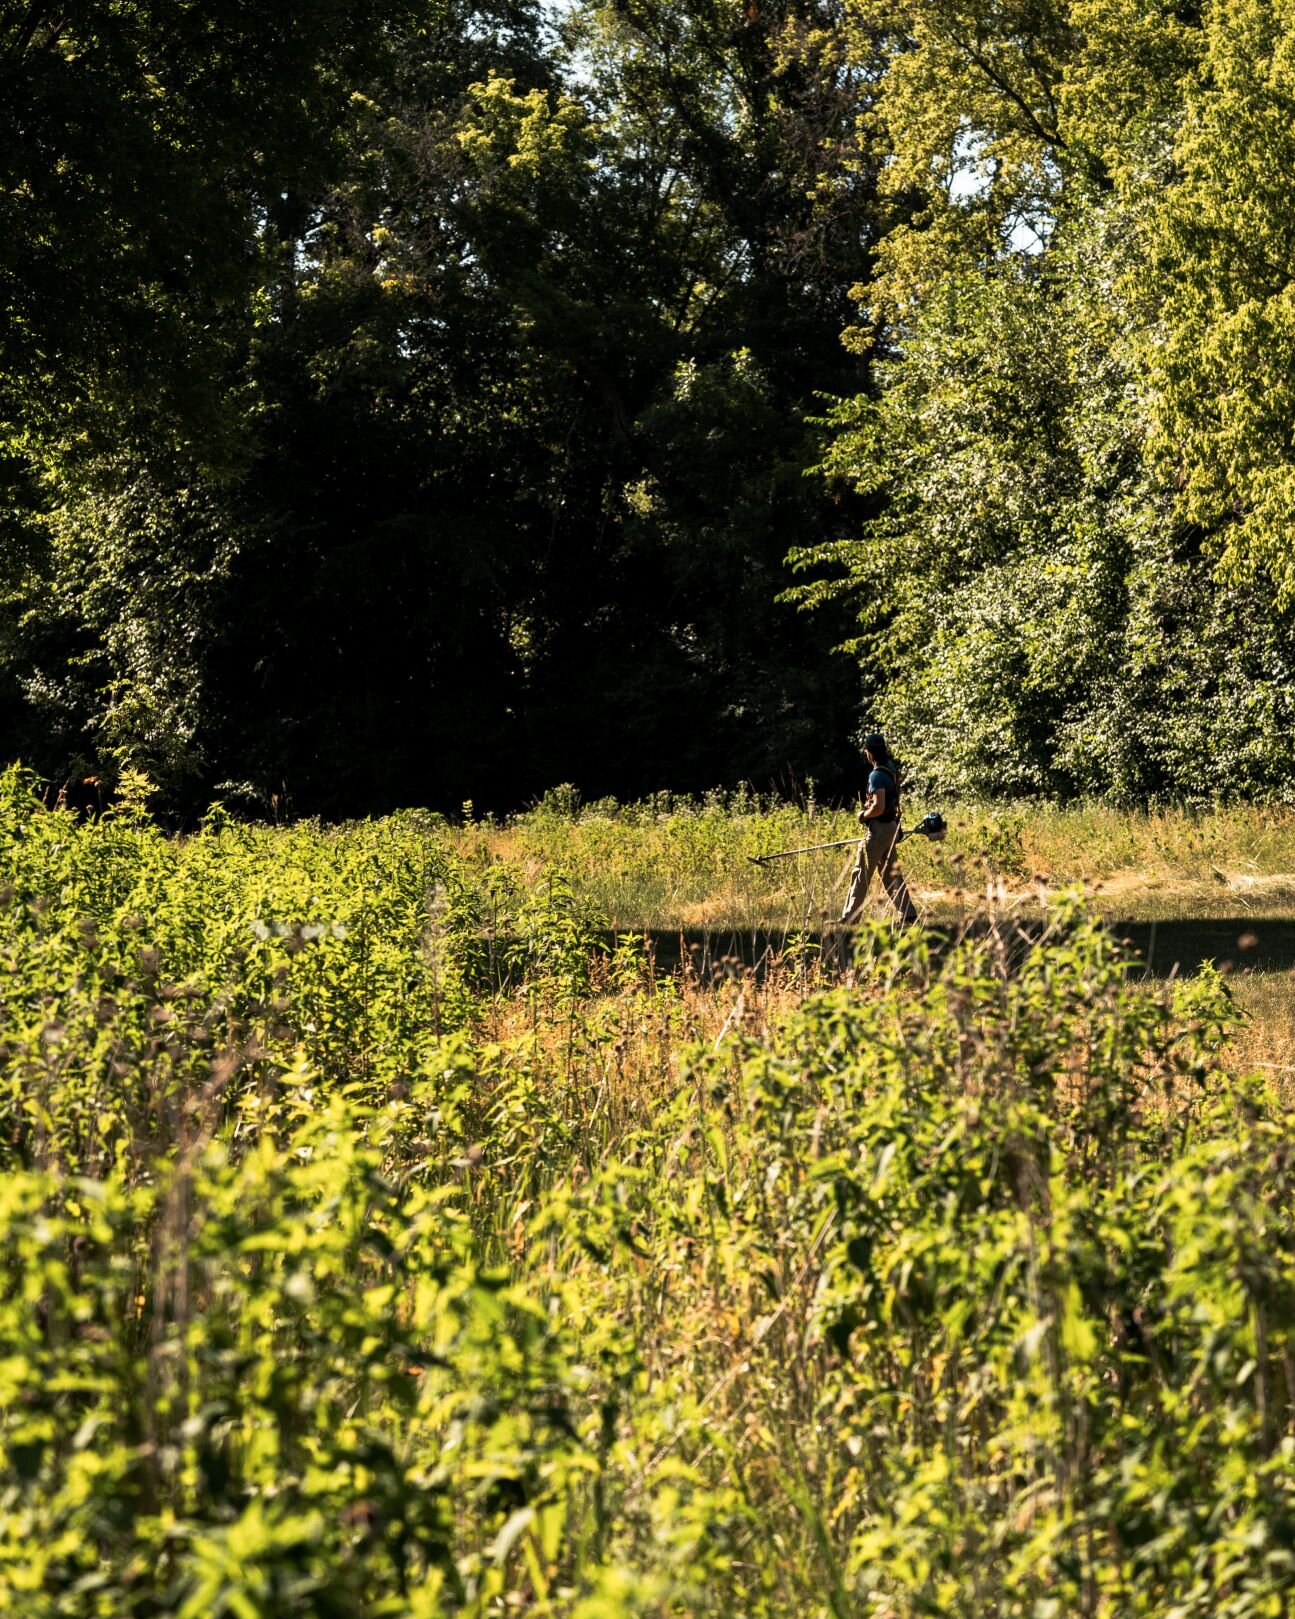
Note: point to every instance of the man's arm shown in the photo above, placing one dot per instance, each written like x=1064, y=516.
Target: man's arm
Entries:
x=875, y=806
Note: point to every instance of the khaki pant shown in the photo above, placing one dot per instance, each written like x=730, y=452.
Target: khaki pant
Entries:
x=877, y=853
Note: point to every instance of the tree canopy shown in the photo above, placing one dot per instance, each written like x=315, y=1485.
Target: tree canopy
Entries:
x=427, y=402
x=1079, y=439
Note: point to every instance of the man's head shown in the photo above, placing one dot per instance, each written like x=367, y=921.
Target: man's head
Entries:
x=874, y=745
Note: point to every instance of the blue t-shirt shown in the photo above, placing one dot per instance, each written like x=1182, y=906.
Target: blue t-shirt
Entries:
x=883, y=780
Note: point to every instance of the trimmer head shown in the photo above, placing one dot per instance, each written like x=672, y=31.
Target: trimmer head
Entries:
x=932, y=825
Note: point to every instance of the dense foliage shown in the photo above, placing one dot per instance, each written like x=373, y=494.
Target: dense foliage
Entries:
x=507, y=390
x=418, y=400
x=1079, y=571
x=346, y=1269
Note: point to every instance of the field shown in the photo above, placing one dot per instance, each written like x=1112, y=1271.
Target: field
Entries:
x=681, y=863
x=389, y=1230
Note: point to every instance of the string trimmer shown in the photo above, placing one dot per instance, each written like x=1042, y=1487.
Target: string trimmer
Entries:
x=930, y=826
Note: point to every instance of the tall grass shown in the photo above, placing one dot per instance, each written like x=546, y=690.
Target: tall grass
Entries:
x=671, y=863
x=374, y=1245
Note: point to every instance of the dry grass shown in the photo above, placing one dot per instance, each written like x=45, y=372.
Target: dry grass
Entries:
x=1266, y=1040
x=690, y=865
x=689, y=869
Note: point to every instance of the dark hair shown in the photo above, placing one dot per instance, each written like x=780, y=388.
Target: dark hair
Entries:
x=876, y=746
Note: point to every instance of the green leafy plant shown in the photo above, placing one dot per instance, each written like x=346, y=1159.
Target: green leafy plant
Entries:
x=373, y=1241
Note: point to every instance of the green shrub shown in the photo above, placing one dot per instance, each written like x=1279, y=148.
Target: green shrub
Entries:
x=369, y=1247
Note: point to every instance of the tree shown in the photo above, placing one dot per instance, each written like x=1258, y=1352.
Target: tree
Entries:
x=1224, y=370
x=151, y=158
x=146, y=153
x=1038, y=599
x=743, y=197
x=510, y=443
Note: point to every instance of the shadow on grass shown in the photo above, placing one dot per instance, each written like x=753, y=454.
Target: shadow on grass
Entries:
x=1159, y=949
x=1185, y=944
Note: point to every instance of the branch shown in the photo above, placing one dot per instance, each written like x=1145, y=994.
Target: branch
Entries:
x=1048, y=136
x=37, y=13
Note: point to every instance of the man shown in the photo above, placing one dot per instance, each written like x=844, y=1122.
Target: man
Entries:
x=880, y=815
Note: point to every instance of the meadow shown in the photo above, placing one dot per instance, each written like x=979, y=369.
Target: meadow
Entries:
x=387, y=1232
x=671, y=862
